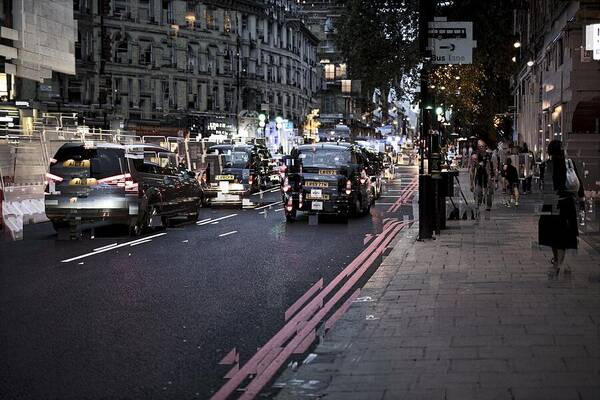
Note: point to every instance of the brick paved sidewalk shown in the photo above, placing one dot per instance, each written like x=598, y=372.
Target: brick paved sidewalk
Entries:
x=471, y=315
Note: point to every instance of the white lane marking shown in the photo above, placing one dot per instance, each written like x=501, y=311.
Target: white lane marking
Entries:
x=204, y=220
x=279, y=209
x=266, y=191
x=138, y=243
x=262, y=212
x=269, y=205
x=215, y=223
x=228, y=233
x=383, y=204
x=106, y=247
x=212, y=221
x=113, y=247
x=393, y=197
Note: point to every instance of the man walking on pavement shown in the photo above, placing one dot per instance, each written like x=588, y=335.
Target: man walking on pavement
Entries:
x=482, y=184
x=512, y=183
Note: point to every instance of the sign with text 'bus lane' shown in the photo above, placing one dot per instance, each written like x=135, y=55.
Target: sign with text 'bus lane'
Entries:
x=451, y=42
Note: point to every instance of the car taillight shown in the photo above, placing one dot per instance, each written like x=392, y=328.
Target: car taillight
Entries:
x=53, y=178
x=282, y=170
x=286, y=185
x=363, y=177
x=251, y=180
x=300, y=199
x=290, y=204
x=124, y=180
x=348, y=187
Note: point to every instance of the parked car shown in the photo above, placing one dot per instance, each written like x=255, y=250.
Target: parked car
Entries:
x=326, y=178
x=241, y=174
x=119, y=184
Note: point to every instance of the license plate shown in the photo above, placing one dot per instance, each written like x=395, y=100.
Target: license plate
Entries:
x=224, y=186
x=316, y=193
x=324, y=196
x=225, y=177
x=327, y=172
x=316, y=184
x=317, y=205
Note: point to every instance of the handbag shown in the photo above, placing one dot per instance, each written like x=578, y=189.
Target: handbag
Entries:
x=572, y=181
x=550, y=229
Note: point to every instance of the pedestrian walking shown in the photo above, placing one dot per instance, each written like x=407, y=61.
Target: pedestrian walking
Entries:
x=563, y=193
x=502, y=156
x=511, y=176
x=482, y=184
x=492, y=173
x=542, y=173
x=528, y=164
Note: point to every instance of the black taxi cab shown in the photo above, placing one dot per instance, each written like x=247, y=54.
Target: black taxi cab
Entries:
x=241, y=174
x=326, y=178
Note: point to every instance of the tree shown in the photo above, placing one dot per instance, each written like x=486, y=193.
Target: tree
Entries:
x=378, y=39
x=491, y=70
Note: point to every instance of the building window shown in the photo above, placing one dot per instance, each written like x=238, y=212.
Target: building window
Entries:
x=170, y=12
x=561, y=52
x=123, y=52
x=244, y=23
x=229, y=99
x=340, y=71
x=346, y=86
x=227, y=27
x=209, y=17
x=329, y=104
x=145, y=54
x=192, y=59
x=121, y=9
x=329, y=72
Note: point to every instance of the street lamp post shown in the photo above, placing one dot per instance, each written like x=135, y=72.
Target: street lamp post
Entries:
x=426, y=11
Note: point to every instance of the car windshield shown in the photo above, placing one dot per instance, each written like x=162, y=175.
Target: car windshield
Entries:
x=102, y=163
x=324, y=157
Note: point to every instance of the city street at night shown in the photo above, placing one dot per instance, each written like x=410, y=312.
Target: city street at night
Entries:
x=299, y=200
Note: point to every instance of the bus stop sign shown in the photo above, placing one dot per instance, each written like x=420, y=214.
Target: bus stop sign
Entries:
x=451, y=42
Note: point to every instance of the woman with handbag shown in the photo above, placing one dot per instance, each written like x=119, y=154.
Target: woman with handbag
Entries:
x=559, y=229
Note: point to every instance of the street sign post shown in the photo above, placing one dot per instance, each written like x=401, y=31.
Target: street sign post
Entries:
x=451, y=42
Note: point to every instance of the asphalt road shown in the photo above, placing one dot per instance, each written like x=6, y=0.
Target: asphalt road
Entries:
x=152, y=318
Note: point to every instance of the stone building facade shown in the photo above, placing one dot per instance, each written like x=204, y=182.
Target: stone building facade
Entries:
x=37, y=39
x=155, y=65
x=557, y=89
x=337, y=99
